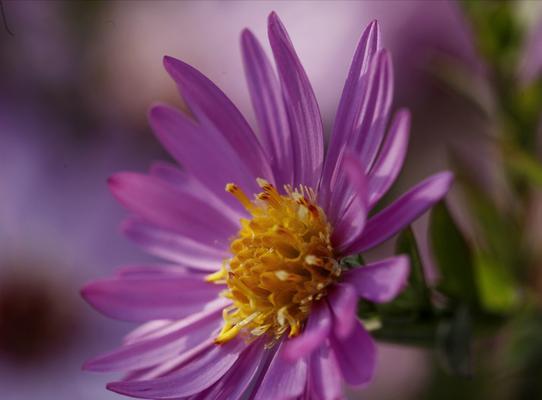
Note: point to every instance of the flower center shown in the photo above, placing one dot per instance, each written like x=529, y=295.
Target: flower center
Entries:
x=282, y=261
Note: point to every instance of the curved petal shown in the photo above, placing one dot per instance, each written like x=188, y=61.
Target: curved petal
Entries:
x=381, y=281
x=236, y=382
x=268, y=105
x=350, y=216
x=356, y=356
x=174, y=247
x=315, y=332
x=402, y=212
x=325, y=375
x=159, y=203
x=369, y=124
x=145, y=330
x=213, y=165
x=210, y=104
x=162, y=343
x=303, y=112
x=194, y=377
x=351, y=96
x=144, y=299
x=283, y=380
x=391, y=158
x=343, y=301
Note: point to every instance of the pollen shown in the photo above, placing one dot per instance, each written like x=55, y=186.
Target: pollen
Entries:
x=282, y=261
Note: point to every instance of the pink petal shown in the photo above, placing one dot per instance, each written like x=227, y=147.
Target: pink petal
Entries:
x=174, y=247
x=315, y=332
x=163, y=342
x=343, y=301
x=143, y=299
x=303, y=113
x=194, y=377
x=352, y=213
x=351, y=96
x=402, y=212
x=211, y=106
x=325, y=376
x=356, y=356
x=381, y=281
x=189, y=143
x=390, y=159
x=283, y=380
x=161, y=204
x=268, y=105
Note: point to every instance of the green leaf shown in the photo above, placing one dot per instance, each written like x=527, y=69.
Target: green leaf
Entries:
x=454, y=342
x=524, y=165
x=496, y=283
x=453, y=257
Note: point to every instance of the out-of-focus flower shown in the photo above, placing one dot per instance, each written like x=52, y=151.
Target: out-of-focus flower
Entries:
x=256, y=301
x=56, y=228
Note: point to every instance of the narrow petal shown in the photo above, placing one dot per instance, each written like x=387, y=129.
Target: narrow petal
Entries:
x=368, y=126
x=315, y=332
x=350, y=216
x=351, y=96
x=163, y=342
x=303, y=113
x=284, y=380
x=161, y=204
x=213, y=165
x=194, y=377
x=237, y=381
x=325, y=375
x=145, y=330
x=402, y=212
x=356, y=356
x=174, y=247
x=381, y=281
x=210, y=104
x=145, y=299
x=343, y=301
x=391, y=158
x=268, y=105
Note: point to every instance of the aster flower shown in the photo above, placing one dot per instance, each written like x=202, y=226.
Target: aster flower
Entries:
x=254, y=301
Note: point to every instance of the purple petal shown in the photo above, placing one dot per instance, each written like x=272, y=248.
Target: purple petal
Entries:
x=210, y=104
x=194, y=377
x=315, y=332
x=268, y=105
x=369, y=124
x=190, y=144
x=380, y=281
x=367, y=47
x=283, y=380
x=237, y=381
x=353, y=213
x=163, y=342
x=325, y=376
x=391, y=157
x=343, y=301
x=356, y=356
x=144, y=299
x=402, y=212
x=174, y=247
x=163, y=205
x=145, y=330
x=303, y=113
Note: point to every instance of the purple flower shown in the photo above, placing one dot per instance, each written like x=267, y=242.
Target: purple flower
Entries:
x=255, y=302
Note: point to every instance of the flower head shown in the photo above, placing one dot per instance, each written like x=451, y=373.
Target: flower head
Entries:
x=256, y=302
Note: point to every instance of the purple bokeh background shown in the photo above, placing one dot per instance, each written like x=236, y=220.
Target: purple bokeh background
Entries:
x=76, y=80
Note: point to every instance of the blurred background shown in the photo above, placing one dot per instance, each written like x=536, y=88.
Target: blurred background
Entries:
x=77, y=79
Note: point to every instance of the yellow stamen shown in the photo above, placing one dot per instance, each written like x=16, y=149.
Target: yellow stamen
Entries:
x=282, y=261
